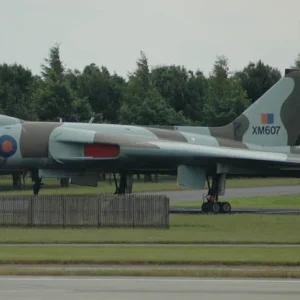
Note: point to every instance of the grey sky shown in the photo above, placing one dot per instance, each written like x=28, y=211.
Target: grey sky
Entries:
x=185, y=32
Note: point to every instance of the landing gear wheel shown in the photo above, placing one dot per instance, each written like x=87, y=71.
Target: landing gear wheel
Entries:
x=205, y=207
x=215, y=208
x=226, y=208
x=212, y=203
x=36, y=187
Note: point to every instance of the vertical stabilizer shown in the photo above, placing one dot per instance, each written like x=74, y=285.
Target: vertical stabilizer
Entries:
x=273, y=119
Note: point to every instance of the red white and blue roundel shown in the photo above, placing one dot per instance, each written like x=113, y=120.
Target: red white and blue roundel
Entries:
x=8, y=146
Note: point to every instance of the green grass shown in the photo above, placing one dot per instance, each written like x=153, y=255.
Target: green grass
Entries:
x=52, y=186
x=124, y=255
x=261, y=182
x=288, y=201
x=261, y=273
x=235, y=228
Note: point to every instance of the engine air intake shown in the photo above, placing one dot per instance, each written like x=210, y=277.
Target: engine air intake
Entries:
x=101, y=150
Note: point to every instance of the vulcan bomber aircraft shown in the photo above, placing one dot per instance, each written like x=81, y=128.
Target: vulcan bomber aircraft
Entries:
x=262, y=141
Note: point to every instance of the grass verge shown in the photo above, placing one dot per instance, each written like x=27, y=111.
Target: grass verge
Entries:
x=158, y=255
x=174, y=272
x=285, y=201
x=52, y=186
x=188, y=229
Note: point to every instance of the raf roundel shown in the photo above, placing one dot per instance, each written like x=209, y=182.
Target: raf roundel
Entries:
x=8, y=146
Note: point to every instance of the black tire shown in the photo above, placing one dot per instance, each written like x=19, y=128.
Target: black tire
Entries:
x=226, y=208
x=36, y=188
x=204, y=207
x=221, y=207
x=215, y=208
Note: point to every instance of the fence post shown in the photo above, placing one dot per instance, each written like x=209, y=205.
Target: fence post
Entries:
x=133, y=212
x=167, y=201
x=30, y=211
x=64, y=211
x=99, y=211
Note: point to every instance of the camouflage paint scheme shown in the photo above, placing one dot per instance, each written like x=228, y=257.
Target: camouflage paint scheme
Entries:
x=269, y=149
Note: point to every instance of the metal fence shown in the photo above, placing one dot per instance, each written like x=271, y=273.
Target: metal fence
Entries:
x=102, y=210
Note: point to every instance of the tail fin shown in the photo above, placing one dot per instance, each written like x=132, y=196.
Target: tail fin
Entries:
x=273, y=120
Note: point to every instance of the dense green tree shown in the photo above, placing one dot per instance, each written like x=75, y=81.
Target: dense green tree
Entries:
x=140, y=80
x=54, y=100
x=257, y=78
x=103, y=91
x=296, y=63
x=196, y=87
x=143, y=104
x=152, y=110
x=53, y=63
x=165, y=95
x=182, y=89
x=55, y=97
x=16, y=87
x=225, y=98
x=71, y=78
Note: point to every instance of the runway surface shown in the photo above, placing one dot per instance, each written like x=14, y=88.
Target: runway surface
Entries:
x=196, y=195
x=46, y=288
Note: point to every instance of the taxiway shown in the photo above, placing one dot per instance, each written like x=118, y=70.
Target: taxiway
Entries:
x=78, y=288
x=196, y=195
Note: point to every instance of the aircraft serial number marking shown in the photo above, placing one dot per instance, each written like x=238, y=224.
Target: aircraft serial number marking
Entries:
x=259, y=130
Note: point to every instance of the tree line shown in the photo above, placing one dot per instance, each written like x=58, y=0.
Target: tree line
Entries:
x=161, y=95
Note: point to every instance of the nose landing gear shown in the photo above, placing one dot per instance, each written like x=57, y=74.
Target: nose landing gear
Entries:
x=125, y=184
x=36, y=182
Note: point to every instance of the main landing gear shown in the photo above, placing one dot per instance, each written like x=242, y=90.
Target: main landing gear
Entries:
x=125, y=184
x=36, y=182
x=212, y=203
